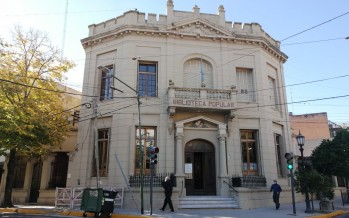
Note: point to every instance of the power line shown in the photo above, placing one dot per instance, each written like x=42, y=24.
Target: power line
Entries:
x=313, y=27
x=314, y=41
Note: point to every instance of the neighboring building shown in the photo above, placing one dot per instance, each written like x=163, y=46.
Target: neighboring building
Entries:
x=315, y=127
x=36, y=179
x=212, y=100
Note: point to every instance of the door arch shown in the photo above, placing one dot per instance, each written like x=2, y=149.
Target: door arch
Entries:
x=200, y=157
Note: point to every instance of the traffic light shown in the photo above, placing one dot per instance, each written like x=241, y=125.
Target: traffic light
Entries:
x=152, y=154
x=289, y=160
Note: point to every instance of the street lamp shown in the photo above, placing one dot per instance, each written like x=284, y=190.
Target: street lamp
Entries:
x=110, y=74
x=300, y=141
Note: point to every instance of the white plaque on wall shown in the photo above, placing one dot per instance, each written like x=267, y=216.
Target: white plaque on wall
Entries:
x=188, y=168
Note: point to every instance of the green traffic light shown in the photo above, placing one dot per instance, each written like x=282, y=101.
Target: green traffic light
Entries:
x=290, y=166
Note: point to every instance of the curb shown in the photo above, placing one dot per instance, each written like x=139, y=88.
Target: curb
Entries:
x=330, y=215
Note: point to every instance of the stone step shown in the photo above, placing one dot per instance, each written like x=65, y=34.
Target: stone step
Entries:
x=210, y=202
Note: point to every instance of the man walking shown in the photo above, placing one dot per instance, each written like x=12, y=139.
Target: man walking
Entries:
x=276, y=189
x=168, y=186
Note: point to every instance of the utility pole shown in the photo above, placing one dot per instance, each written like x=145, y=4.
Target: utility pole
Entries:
x=141, y=149
x=94, y=103
x=139, y=131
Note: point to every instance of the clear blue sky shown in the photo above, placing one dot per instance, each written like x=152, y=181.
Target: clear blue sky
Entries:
x=321, y=53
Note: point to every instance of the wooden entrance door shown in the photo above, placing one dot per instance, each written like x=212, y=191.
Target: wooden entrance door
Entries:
x=202, y=181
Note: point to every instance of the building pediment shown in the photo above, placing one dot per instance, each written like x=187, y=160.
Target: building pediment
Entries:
x=199, y=27
x=200, y=122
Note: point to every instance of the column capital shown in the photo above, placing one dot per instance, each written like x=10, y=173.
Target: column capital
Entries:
x=221, y=136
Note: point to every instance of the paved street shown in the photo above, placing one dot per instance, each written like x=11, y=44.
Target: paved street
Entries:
x=30, y=215
x=268, y=212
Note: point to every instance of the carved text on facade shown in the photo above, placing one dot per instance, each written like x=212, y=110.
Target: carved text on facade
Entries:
x=203, y=103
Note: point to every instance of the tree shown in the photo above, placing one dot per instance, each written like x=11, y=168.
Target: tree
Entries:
x=32, y=119
x=331, y=157
x=317, y=183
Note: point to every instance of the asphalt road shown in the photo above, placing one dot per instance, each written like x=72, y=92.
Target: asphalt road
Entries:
x=30, y=215
x=346, y=215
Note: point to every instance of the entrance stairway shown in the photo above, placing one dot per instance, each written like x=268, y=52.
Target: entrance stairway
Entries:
x=204, y=202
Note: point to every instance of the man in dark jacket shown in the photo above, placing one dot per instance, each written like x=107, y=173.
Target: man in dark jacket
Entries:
x=168, y=186
x=276, y=189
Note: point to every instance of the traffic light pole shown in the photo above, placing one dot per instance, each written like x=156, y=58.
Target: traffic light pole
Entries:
x=289, y=162
x=151, y=187
x=152, y=152
x=292, y=190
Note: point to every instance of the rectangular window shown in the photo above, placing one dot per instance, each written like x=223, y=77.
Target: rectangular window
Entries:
x=249, y=148
x=147, y=79
x=272, y=92
x=148, y=139
x=19, y=173
x=245, y=85
x=279, y=156
x=59, y=170
x=103, y=149
x=107, y=82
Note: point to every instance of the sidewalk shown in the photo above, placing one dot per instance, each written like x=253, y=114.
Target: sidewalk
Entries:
x=268, y=212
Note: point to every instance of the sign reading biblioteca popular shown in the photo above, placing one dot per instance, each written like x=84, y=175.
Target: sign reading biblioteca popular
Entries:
x=203, y=103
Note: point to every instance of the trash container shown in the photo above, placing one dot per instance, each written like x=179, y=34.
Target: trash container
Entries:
x=108, y=205
x=92, y=200
x=236, y=181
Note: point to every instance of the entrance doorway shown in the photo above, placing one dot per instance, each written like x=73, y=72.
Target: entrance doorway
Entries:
x=200, y=157
x=35, y=185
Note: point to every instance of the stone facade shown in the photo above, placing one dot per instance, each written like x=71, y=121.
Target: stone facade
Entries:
x=209, y=92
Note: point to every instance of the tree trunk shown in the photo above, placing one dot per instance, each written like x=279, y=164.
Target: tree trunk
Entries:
x=7, y=201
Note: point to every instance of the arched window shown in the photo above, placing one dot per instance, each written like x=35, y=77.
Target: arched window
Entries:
x=196, y=72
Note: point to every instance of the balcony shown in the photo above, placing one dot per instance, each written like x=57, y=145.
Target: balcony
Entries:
x=201, y=99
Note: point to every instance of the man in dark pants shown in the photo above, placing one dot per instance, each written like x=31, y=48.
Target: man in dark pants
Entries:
x=168, y=186
x=276, y=189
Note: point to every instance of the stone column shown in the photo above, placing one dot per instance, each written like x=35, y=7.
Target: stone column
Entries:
x=180, y=176
x=179, y=155
x=46, y=171
x=222, y=157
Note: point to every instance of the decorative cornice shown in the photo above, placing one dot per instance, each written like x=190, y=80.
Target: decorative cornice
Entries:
x=186, y=31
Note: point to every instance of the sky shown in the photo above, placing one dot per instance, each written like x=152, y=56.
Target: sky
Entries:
x=312, y=35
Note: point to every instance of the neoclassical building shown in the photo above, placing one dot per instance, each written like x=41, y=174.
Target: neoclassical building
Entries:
x=209, y=93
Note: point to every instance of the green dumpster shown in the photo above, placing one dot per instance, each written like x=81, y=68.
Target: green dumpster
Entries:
x=92, y=200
